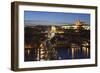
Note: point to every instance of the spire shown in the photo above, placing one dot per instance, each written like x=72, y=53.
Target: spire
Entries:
x=78, y=23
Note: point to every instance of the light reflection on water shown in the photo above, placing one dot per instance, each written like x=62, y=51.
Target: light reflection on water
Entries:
x=63, y=53
x=75, y=52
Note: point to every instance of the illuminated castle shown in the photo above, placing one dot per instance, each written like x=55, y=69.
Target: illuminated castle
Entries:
x=77, y=26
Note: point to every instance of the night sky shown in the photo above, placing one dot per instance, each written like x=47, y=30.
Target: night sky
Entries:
x=58, y=17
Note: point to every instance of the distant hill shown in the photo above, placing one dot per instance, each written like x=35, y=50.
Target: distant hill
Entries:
x=34, y=23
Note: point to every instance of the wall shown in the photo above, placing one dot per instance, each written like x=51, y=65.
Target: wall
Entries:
x=5, y=36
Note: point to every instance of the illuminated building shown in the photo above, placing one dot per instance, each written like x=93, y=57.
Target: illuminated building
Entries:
x=77, y=26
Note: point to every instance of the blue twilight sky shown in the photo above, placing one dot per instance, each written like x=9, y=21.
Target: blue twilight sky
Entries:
x=57, y=17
